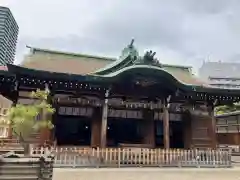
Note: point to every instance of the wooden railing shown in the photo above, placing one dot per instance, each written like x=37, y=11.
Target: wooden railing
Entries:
x=137, y=157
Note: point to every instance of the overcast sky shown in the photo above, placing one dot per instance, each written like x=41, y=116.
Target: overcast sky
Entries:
x=182, y=32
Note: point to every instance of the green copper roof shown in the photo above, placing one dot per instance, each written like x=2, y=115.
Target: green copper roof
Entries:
x=130, y=60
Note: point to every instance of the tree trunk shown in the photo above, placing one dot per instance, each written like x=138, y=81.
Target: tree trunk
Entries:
x=25, y=145
x=26, y=148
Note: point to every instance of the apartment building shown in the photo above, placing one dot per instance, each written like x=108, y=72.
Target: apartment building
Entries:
x=8, y=36
x=221, y=74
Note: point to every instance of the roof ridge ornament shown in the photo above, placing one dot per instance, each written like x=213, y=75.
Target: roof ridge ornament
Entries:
x=131, y=43
x=130, y=50
x=148, y=59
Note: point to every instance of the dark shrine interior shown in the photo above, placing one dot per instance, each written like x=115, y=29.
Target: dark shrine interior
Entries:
x=123, y=131
x=72, y=130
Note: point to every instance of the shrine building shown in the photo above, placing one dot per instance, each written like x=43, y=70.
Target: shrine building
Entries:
x=129, y=101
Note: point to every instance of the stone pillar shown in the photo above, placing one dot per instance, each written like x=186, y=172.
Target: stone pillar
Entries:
x=166, y=134
x=104, y=121
x=148, y=128
x=96, y=128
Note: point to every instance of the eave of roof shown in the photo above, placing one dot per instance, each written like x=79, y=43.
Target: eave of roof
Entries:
x=13, y=69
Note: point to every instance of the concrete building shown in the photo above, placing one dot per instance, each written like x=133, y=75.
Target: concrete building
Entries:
x=221, y=74
x=8, y=36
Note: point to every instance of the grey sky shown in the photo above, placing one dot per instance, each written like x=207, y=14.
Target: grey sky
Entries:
x=181, y=31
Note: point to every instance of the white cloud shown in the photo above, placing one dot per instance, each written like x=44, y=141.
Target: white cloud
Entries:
x=181, y=31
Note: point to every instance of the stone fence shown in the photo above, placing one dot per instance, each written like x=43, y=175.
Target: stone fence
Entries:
x=18, y=167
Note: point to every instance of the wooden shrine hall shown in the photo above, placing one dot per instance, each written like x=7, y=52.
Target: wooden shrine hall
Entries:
x=129, y=101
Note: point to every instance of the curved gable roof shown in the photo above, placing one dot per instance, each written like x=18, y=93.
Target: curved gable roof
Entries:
x=72, y=63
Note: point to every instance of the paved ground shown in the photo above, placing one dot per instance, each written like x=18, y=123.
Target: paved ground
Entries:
x=147, y=174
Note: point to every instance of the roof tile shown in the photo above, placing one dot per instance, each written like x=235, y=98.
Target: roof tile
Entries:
x=56, y=61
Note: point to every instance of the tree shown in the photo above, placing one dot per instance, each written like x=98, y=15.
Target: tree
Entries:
x=227, y=108
x=25, y=119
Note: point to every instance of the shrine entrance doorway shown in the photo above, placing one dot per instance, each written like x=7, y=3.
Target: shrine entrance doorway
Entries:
x=123, y=131
x=176, y=134
x=73, y=131
x=72, y=126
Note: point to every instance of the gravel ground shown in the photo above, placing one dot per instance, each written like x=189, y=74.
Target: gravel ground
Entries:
x=147, y=174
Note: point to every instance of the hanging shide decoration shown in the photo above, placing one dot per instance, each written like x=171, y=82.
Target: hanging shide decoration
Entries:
x=75, y=111
x=134, y=104
x=115, y=103
x=78, y=101
x=172, y=116
x=131, y=114
x=138, y=114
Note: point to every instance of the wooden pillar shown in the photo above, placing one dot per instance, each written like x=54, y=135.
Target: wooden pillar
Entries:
x=166, y=134
x=15, y=101
x=212, y=126
x=96, y=128
x=186, y=118
x=148, y=126
x=104, y=121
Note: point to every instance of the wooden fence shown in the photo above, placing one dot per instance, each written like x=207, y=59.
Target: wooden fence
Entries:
x=135, y=157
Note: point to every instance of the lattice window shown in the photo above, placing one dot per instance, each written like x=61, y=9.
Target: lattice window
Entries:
x=221, y=121
x=232, y=120
x=232, y=129
x=222, y=130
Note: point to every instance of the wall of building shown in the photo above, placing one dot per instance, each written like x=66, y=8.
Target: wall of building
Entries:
x=228, y=129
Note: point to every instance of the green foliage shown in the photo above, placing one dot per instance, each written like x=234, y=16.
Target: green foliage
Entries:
x=25, y=119
x=227, y=108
